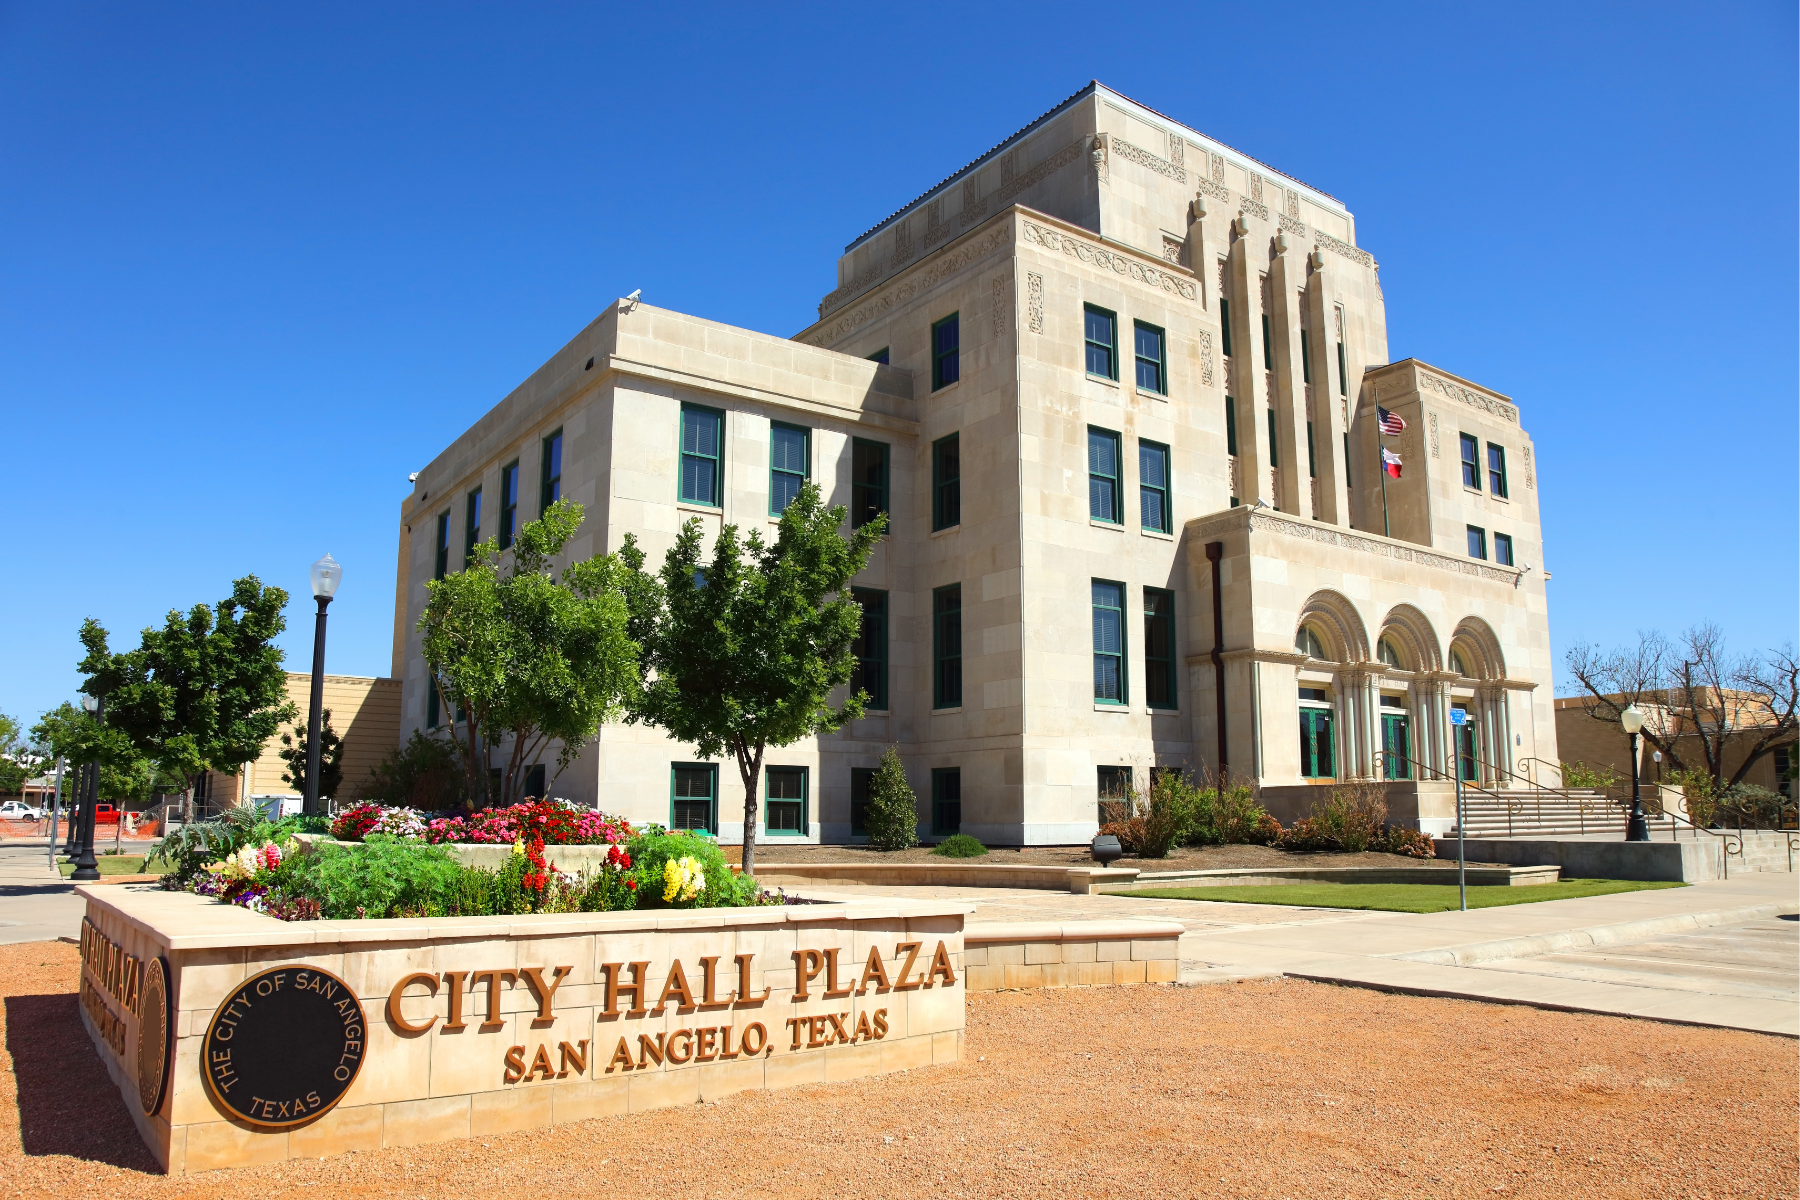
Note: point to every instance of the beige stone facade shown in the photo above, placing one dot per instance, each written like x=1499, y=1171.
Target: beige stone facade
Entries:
x=365, y=712
x=1096, y=269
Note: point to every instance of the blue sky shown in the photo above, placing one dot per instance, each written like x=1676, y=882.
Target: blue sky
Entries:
x=259, y=262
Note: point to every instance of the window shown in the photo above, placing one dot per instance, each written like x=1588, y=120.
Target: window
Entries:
x=946, y=647
x=1274, y=454
x=790, y=464
x=1159, y=648
x=1312, y=460
x=1497, y=470
x=1268, y=349
x=1305, y=358
x=880, y=356
x=509, y=504
x=534, y=781
x=784, y=810
x=1457, y=664
x=442, y=567
x=1477, y=542
x=871, y=648
x=860, y=779
x=1153, y=488
x=946, y=363
x=1316, y=759
x=946, y=483
x=1347, y=483
x=1152, y=369
x=1396, y=744
x=471, y=526
x=1102, y=331
x=1113, y=786
x=1225, y=325
x=1384, y=650
x=1471, y=462
x=694, y=797
x=701, y=440
x=868, y=481
x=1784, y=771
x=1103, y=476
x=1307, y=642
x=1503, y=549
x=1343, y=373
x=1109, y=643
x=1467, y=756
x=1230, y=425
x=946, y=801
x=431, y=698
x=550, y=490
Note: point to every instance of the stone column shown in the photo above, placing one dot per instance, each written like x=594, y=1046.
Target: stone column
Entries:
x=1288, y=396
x=1200, y=258
x=1327, y=413
x=1245, y=381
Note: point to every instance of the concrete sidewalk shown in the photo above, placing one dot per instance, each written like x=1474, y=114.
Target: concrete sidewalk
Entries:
x=36, y=904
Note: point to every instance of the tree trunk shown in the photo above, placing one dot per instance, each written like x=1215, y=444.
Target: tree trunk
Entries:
x=751, y=770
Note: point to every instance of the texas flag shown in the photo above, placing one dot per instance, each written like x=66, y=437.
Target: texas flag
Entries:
x=1390, y=462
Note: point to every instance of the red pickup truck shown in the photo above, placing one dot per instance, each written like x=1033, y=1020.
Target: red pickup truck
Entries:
x=105, y=814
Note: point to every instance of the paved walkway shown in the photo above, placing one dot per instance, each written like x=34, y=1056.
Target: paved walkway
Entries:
x=1711, y=954
x=36, y=904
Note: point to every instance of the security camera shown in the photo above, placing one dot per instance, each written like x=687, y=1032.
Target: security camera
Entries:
x=632, y=300
x=413, y=478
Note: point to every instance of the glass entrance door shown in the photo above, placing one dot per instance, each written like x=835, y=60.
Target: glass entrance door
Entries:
x=1466, y=745
x=1316, y=759
x=1396, y=747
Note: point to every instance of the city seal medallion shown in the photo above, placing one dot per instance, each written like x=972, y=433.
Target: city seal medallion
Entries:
x=155, y=1032
x=284, y=1047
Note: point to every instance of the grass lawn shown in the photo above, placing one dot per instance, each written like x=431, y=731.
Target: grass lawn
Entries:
x=121, y=864
x=1398, y=897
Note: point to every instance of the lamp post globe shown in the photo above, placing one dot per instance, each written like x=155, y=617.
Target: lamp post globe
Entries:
x=327, y=573
x=1637, y=829
x=87, y=870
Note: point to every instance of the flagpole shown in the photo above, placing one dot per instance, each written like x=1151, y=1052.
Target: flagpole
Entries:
x=1381, y=464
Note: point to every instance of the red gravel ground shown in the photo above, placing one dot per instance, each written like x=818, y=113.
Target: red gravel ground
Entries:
x=1267, y=1089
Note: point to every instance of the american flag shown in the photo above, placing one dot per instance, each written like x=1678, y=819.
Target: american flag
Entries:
x=1391, y=423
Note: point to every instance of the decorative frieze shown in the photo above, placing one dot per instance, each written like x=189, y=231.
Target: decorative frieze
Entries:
x=1010, y=187
x=936, y=228
x=1321, y=238
x=1217, y=162
x=1265, y=522
x=1431, y=422
x=1144, y=158
x=1178, y=150
x=1206, y=368
x=1171, y=250
x=1253, y=207
x=1455, y=391
x=1034, y=300
x=1293, y=225
x=1001, y=303
x=974, y=208
x=1530, y=475
x=926, y=275
x=1217, y=191
x=903, y=246
x=1099, y=256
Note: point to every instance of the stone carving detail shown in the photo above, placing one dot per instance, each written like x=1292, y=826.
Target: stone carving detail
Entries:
x=1255, y=208
x=1097, y=156
x=1455, y=391
x=1206, y=367
x=1292, y=225
x=1099, y=256
x=903, y=246
x=1431, y=420
x=974, y=207
x=1530, y=475
x=1217, y=191
x=1144, y=158
x=865, y=280
x=1034, y=298
x=1262, y=522
x=922, y=277
x=1177, y=150
x=1014, y=184
x=1256, y=182
x=936, y=228
x=1001, y=302
x=1293, y=204
x=1218, y=168
x=1344, y=248
x=1172, y=250
x=1224, y=278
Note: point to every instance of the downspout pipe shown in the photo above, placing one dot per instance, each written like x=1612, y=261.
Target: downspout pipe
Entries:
x=1215, y=553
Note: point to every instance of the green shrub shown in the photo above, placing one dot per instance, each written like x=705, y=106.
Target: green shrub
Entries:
x=381, y=877
x=1583, y=776
x=1306, y=836
x=1266, y=832
x=1238, y=818
x=1410, y=842
x=960, y=845
x=653, y=850
x=425, y=774
x=1354, y=816
x=893, y=815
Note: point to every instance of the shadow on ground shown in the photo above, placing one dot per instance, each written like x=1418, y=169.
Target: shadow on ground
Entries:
x=67, y=1102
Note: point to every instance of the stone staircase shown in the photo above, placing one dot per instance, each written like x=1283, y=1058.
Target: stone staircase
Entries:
x=1533, y=812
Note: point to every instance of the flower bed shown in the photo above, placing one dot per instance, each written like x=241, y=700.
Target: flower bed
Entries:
x=553, y=822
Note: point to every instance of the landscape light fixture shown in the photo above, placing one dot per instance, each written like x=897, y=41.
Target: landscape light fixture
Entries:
x=327, y=573
x=1637, y=829
x=87, y=870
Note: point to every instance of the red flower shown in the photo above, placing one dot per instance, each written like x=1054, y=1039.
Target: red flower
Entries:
x=632, y=884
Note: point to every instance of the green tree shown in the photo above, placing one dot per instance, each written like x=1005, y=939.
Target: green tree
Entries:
x=17, y=763
x=426, y=773
x=893, y=816
x=331, y=757
x=527, y=654
x=71, y=733
x=203, y=693
x=747, y=646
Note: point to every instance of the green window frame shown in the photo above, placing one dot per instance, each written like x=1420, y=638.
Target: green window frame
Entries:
x=868, y=480
x=1466, y=745
x=1471, y=460
x=1268, y=346
x=946, y=482
x=946, y=801
x=1496, y=469
x=1153, y=488
x=1312, y=458
x=860, y=780
x=1105, y=474
x=1477, y=542
x=1225, y=325
x=1343, y=372
x=871, y=648
x=1396, y=745
x=785, y=801
x=550, y=481
x=790, y=464
x=1503, y=549
x=442, y=566
x=1160, y=678
x=1149, y=346
x=694, y=796
x=1100, y=334
x=881, y=356
x=1347, y=481
x=1305, y=357
x=1317, y=747
x=1110, y=683
x=1112, y=785
x=471, y=526
x=1231, y=426
x=702, y=456
x=946, y=352
x=509, y=504
x=1274, y=452
x=946, y=646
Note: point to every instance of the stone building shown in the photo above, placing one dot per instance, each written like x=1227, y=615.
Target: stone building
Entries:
x=1117, y=385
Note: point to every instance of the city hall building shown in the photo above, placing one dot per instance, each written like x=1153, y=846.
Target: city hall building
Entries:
x=1119, y=388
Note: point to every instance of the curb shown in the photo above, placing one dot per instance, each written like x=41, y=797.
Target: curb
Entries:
x=1598, y=935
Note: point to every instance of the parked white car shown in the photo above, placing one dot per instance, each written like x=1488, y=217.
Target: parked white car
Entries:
x=14, y=810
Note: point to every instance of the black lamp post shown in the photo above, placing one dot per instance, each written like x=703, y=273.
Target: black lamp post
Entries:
x=86, y=869
x=326, y=573
x=1637, y=829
